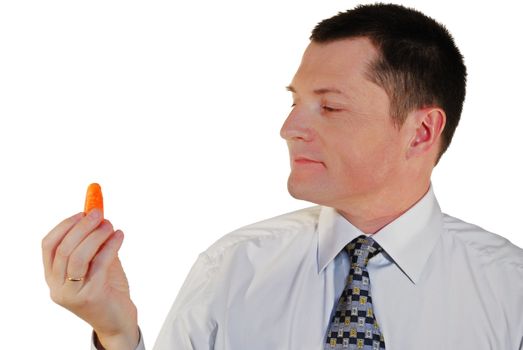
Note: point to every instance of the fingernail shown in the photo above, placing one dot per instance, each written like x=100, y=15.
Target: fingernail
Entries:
x=95, y=214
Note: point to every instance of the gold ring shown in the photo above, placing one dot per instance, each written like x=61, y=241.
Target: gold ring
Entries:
x=72, y=279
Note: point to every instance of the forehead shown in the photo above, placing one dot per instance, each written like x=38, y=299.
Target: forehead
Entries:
x=341, y=62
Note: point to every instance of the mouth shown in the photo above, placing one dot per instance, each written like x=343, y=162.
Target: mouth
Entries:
x=305, y=161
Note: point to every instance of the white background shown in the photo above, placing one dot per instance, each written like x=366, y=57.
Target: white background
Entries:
x=175, y=109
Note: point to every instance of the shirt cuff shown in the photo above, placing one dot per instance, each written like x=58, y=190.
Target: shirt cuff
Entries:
x=95, y=343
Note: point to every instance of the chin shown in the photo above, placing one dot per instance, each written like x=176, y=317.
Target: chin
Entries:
x=306, y=192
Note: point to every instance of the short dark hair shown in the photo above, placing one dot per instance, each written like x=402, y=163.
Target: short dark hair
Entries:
x=419, y=63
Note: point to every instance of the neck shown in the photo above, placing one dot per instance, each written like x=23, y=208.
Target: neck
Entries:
x=372, y=214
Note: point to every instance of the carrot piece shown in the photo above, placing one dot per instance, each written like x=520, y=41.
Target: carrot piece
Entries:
x=94, y=198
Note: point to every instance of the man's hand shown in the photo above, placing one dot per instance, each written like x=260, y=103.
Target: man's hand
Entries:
x=86, y=277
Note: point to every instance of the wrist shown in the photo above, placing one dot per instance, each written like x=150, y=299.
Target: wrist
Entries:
x=127, y=341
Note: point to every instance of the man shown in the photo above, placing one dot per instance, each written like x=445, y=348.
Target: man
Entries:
x=375, y=265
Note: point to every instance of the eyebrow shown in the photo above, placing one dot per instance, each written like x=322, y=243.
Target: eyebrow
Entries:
x=321, y=91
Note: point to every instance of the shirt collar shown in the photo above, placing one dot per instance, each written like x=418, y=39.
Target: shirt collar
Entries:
x=408, y=240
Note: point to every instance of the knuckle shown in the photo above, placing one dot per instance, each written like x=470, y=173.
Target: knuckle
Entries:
x=76, y=302
x=77, y=261
x=47, y=278
x=56, y=297
x=63, y=251
x=47, y=244
x=89, y=299
x=70, y=301
x=107, y=224
x=86, y=224
x=104, y=230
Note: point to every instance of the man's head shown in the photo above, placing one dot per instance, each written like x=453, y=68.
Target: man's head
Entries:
x=419, y=64
x=376, y=101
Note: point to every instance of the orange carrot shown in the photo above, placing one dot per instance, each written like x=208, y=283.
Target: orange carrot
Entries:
x=94, y=198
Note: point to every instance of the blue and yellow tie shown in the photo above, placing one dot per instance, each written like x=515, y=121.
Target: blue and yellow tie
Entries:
x=353, y=325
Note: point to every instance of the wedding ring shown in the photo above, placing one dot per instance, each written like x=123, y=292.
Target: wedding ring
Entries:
x=73, y=279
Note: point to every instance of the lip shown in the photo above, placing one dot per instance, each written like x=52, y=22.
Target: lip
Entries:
x=304, y=160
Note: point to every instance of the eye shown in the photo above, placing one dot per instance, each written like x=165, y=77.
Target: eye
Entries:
x=330, y=109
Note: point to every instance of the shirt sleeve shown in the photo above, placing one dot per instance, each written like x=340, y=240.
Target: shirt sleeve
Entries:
x=190, y=324
x=95, y=343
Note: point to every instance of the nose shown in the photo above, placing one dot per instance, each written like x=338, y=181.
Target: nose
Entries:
x=296, y=126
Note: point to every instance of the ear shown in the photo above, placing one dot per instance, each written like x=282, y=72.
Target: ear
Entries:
x=428, y=126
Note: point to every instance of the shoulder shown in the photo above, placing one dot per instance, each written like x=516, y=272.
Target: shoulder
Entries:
x=298, y=224
x=493, y=250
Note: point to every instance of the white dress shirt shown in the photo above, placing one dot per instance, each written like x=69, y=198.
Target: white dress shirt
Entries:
x=440, y=283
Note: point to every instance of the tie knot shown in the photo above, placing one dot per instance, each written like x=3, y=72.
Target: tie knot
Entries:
x=362, y=249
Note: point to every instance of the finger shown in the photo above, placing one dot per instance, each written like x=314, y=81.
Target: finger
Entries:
x=73, y=238
x=84, y=253
x=53, y=239
x=106, y=256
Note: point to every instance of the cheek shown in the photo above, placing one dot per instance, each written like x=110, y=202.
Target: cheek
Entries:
x=365, y=158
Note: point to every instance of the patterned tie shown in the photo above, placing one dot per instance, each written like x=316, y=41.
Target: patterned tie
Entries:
x=354, y=326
